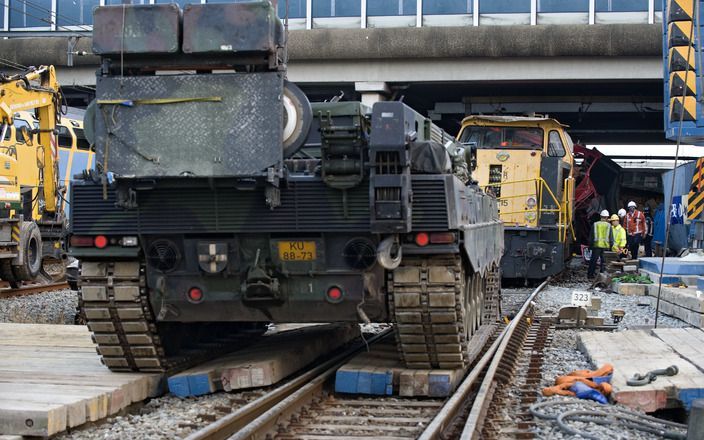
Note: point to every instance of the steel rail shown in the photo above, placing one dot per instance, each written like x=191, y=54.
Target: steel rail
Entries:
x=32, y=289
x=454, y=405
x=262, y=413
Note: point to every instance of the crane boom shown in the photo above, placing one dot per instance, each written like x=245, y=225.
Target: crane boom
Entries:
x=37, y=89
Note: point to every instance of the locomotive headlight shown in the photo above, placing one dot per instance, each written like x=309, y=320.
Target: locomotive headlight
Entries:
x=531, y=202
x=129, y=241
x=530, y=216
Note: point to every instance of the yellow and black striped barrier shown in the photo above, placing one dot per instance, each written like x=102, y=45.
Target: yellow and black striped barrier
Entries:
x=695, y=201
x=16, y=232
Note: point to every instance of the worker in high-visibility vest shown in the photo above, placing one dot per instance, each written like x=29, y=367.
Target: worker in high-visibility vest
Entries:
x=601, y=239
x=619, y=233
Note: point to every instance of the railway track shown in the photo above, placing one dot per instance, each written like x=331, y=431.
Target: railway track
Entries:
x=32, y=289
x=305, y=408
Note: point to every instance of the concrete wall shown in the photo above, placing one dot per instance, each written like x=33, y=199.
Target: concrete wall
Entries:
x=483, y=41
x=326, y=45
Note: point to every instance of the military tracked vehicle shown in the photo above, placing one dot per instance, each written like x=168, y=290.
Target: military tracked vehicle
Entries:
x=223, y=200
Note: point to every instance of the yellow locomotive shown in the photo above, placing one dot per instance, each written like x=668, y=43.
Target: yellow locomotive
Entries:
x=527, y=163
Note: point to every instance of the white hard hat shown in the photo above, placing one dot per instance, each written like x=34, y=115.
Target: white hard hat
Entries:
x=604, y=213
x=631, y=204
x=621, y=212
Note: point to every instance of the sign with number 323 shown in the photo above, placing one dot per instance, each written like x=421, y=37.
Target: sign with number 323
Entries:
x=581, y=298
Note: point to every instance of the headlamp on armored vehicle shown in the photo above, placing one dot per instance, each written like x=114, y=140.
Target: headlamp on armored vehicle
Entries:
x=129, y=241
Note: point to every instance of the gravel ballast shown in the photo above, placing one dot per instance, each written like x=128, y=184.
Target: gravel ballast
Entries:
x=167, y=417
x=57, y=307
x=553, y=298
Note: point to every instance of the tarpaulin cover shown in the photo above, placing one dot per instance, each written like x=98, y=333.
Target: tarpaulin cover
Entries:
x=678, y=232
x=429, y=157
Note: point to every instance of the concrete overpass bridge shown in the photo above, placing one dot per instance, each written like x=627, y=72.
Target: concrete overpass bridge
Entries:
x=599, y=72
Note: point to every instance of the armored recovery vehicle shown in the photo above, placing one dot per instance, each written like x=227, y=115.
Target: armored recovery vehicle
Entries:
x=224, y=200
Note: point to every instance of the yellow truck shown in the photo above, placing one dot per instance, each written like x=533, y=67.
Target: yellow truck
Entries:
x=527, y=163
x=32, y=222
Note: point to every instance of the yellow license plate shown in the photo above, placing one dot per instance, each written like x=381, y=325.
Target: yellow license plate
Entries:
x=297, y=250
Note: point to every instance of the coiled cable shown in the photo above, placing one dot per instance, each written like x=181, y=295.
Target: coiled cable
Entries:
x=615, y=415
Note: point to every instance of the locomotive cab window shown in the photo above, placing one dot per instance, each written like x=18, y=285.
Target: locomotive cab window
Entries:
x=555, y=146
x=19, y=123
x=64, y=136
x=81, y=141
x=515, y=138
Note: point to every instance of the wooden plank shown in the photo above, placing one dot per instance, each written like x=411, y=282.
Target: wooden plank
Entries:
x=95, y=399
x=75, y=406
x=276, y=357
x=690, y=317
x=686, y=298
x=27, y=418
x=287, y=358
x=51, y=378
x=688, y=343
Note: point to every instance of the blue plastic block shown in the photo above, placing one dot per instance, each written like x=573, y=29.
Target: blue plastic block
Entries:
x=346, y=381
x=364, y=382
x=389, y=383
x=668, y=279
x=700, y=283
x=199, y=384
x=178, y=386
x=673, y=266
x=380, y=381
x=688, y=395
x=439, y=385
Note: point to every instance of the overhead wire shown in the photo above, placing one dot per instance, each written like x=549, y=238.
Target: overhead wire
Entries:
x=57, y=15
x=48, y=21
x=13, y=64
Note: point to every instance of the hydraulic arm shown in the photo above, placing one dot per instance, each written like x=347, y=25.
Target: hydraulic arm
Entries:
x=37, y=89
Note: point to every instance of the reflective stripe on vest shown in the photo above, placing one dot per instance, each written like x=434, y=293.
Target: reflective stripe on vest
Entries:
x=601, y=234
x=619, y=237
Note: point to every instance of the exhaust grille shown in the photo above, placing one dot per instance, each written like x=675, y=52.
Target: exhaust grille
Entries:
x=305, y=207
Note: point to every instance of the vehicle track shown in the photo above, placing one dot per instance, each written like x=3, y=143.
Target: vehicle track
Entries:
x=305, y=408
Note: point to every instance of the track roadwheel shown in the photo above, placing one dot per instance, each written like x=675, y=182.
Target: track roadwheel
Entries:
x=6, y=273
x=31, y=244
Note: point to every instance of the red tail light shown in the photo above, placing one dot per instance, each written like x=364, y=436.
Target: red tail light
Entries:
x=442, y=237
x=335, y=294
x=422, y=239
x=100, y=241
x=81, y=241
x=195, y=294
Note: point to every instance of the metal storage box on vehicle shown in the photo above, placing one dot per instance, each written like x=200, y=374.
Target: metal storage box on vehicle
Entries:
x=136, y=29
x=235, y=27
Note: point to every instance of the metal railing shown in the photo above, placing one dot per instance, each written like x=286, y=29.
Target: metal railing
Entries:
x=541, y=191
x=60, y=17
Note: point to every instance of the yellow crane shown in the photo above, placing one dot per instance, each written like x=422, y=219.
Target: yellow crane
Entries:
x=32, y=224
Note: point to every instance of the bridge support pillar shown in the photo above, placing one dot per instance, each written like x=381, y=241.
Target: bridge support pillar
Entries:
x=372, y=91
